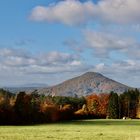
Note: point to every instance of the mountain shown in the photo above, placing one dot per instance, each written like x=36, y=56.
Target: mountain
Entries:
x=84, y=85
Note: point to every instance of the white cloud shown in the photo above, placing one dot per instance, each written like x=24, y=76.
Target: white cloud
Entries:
x=68, y=12
x=15, y=57
x=57, y=58
x=55, y=67
x=119, y=11
x=74, y=12
x=75, y=63
x=18, y=67
x=101, y=40
x=73, y=45
x=13, y=52
x=51, y=62
x=99, y=67
x=103, y=44
x=125, y=71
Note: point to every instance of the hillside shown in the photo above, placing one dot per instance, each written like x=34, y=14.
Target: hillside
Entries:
x=84, y=85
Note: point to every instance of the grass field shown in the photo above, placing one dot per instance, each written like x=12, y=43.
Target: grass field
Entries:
x=75, y=130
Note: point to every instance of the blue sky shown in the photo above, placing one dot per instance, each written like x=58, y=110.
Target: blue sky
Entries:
x=49, y=41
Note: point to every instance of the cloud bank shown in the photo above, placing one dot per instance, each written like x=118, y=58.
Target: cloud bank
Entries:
x=20, y=66
x=103, y=44
x=74, y=12
x=39, y=63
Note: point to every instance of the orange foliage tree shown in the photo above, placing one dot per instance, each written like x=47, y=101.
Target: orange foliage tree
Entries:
x=97, y=105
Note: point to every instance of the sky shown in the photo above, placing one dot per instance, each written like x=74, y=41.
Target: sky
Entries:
x=49, y=41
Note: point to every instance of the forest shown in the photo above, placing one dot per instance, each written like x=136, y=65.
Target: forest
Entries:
x=22, y=108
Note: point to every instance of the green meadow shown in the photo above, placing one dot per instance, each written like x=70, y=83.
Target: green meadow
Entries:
x=75, y=130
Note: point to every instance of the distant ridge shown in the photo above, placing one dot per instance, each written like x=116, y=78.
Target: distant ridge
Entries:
x=26, y=87
x=86, y=84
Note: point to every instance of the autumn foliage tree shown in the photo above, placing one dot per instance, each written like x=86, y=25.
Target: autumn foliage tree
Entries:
x=97, y=105
x=138, y=108
x=93, y=104
x=6, y=107
x=34, y=108
x=103, y=104
x=27, y=107
x=49, y=113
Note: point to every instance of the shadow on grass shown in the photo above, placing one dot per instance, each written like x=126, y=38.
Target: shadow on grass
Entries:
x=100, y=122
x=103, y=122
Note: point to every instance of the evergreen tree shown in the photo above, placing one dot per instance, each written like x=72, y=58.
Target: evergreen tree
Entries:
x=19, y=106
x=113, y=106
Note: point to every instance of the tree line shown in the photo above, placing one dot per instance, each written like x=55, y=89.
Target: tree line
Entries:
x=34, y=108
